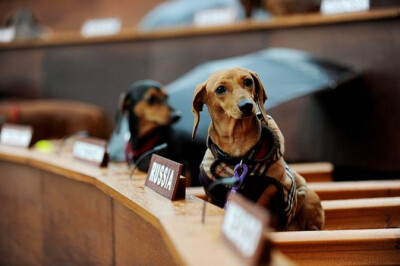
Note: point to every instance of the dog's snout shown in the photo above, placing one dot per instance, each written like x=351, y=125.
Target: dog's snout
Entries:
x=245, y=106
x=175, y=116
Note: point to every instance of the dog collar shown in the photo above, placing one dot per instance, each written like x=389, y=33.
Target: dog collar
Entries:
x=267, y=149
x=145, y=144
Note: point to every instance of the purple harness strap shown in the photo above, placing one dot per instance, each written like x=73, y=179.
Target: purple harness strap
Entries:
x=240, y=178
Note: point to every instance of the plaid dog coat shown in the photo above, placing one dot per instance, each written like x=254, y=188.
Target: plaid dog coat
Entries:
x=266, y=166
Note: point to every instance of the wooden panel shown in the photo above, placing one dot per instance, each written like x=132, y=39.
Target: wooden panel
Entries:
x=128, y=34
x=137, y=242
x=17, y=80
x=347, y=247
x=341, y=190
x=365, y=213
x=21, y=224
x=69, y=15
x=66, y=68
x=362, y=213
x=77, y=223
x=356, y=189
x=331, y=126
x=314, y=172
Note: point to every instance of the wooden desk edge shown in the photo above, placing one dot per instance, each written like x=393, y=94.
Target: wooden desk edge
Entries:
x=37, y=160
x=20, y=156
x=75, y=38
x=164, y=222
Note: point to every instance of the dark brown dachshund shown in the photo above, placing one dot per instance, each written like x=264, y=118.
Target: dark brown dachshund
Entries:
x=150, y=118
x=253, y=144
x=150, y=124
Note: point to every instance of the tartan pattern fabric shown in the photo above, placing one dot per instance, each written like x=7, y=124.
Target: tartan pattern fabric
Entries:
x=274, y=167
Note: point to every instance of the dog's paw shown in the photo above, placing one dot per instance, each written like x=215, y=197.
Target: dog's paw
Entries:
x=311, y=216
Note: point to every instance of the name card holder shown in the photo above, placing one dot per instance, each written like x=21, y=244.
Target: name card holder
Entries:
x=164, y=177
x=91, y=150
x=101, y=27
x=243, y=230
x=16, y=135
x=343, y=6
x=215, y=16
x=7, y=34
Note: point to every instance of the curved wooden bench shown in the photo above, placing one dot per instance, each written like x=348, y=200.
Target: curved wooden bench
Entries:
x=56, y=210
x=356, y=189
x=55, y=118
x=341, y=247
x=314, y=172
x=342, y=190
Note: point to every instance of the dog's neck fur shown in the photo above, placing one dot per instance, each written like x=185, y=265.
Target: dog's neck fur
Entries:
x=145, y=128
x=235, y=137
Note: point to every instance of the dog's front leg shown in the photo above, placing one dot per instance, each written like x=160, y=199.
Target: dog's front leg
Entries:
x=309, y=215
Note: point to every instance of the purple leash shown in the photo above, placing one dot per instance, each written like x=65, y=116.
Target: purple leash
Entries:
x=239, y=178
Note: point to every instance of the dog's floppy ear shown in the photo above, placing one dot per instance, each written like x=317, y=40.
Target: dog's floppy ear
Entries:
x=197, y=105
x=261, y=95
x=124, y=102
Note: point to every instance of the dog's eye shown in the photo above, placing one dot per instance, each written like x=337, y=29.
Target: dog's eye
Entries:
x=152, y=100
x=248, y=82
x=220, y=90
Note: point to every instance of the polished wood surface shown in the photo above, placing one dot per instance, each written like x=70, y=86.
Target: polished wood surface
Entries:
x=357, y=213
x=314, y=172
x=20, y=219
x=337, y=247
x=356, y=189
x=104, y=218
x=362, y=213
x=74, y=37
x=58, y=210
x=341, y=190
x=69, y=15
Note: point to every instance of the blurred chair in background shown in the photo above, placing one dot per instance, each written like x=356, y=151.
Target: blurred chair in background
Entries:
x=26, y=25
x=55, y=119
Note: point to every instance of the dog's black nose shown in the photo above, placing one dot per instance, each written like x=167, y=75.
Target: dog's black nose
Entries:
x=246, y=106
x=175, y=116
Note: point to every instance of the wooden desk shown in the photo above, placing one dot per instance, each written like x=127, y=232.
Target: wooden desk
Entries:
x=56, y=210
x=279, y=22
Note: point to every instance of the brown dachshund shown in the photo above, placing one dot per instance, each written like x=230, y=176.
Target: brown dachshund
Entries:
x=243, y=141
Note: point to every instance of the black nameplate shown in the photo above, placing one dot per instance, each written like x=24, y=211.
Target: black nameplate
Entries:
x=164, y=177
